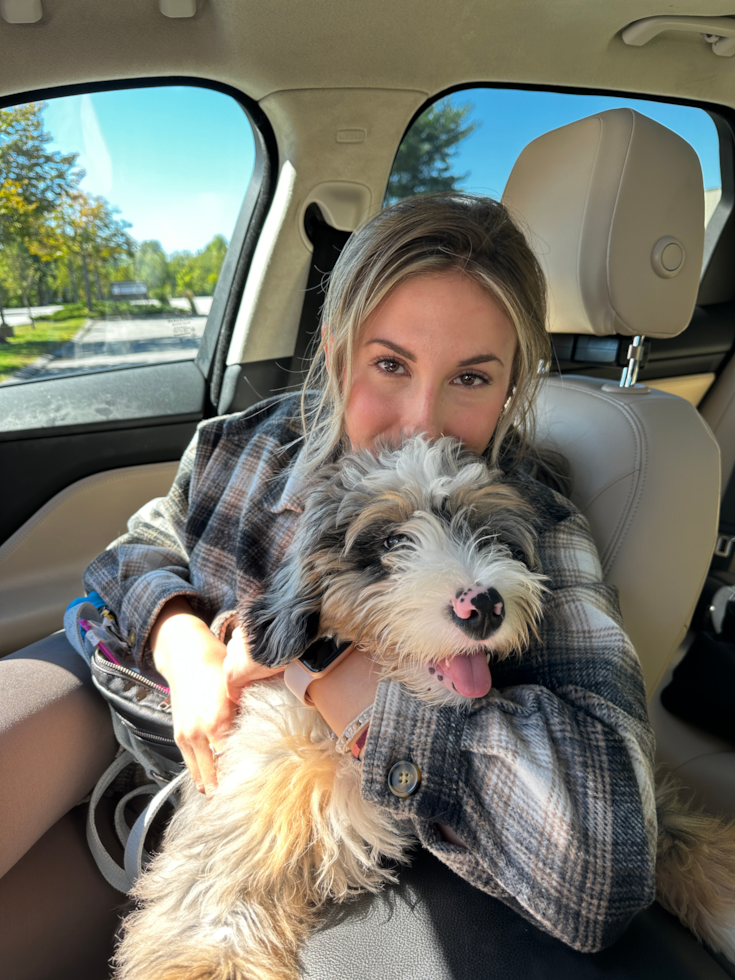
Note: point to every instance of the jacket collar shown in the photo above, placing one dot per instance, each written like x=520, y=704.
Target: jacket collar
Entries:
x=286, y=491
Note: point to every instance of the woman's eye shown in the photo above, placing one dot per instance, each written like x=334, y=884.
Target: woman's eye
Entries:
x=471, y=380
x=394, y=539
x=390, y=366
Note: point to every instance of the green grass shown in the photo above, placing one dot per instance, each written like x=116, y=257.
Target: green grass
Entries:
x=29, y=343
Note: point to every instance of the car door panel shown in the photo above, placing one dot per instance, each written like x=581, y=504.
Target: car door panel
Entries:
x=91, y=423
x=41, y=564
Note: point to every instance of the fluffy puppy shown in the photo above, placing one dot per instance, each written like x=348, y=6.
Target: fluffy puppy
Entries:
x=426, y=558
x=423, y=556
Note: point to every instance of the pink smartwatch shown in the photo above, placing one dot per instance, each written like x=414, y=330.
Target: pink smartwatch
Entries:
x=318, y=660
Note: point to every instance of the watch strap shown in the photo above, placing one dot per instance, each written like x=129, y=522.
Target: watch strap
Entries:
x=297, y=677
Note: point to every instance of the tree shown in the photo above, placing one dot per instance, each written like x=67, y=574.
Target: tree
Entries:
x=13, y=208
x=32, y=181
x=209, y=263
x=83, y=227
x=20, y=271
x=182, y=266
x=423, y=164
x=42, y=177
x=198, y=274
x=151, y=265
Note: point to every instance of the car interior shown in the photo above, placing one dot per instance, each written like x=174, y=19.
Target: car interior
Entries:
x=640, y=395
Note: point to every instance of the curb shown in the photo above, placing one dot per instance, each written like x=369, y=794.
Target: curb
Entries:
x=31, y=370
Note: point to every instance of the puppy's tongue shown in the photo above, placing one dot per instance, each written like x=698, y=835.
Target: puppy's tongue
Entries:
x=469, y=673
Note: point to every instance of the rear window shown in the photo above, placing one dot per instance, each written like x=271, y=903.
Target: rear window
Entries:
x=470, y=140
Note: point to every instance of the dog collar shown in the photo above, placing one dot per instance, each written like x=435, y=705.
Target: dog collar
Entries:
x=317, y=660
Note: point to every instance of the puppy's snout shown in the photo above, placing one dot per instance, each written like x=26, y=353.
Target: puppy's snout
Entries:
x=478, y=613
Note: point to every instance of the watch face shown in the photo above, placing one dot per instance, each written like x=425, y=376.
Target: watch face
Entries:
x=322, y=653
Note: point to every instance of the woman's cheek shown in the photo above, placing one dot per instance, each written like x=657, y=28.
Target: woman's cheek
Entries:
x=475, y=426
x=369, y=414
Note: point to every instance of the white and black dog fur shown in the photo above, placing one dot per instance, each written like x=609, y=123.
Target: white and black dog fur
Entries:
x=425, y=556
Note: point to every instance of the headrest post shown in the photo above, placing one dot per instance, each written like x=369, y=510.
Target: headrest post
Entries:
x=630, y=371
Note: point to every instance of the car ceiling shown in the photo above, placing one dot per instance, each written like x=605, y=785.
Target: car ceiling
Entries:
x=317, y=68
x=425, y=45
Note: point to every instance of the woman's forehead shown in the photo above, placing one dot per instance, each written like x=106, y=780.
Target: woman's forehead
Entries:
x=445, y=311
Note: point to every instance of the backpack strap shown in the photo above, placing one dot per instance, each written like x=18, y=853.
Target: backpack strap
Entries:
x=136, y=857
x=111, y=870
x=79, y=614
x=132, y=839
x=121, y=825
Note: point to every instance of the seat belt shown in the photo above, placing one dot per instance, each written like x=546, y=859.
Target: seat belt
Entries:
x=328, y=242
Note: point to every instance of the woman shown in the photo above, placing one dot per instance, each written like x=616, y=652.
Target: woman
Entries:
x=434, y=323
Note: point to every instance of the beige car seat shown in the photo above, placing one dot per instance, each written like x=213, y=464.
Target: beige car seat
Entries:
x=614, y=205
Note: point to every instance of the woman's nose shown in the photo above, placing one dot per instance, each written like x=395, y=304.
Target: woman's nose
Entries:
x=428, y=416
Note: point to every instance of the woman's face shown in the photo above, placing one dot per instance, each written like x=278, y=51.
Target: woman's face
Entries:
x=434, y=357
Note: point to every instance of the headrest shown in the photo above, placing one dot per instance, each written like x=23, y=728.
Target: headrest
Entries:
x=614, y=207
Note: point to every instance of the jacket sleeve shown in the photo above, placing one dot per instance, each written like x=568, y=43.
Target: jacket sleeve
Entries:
x=141, y=570
x=548, y=780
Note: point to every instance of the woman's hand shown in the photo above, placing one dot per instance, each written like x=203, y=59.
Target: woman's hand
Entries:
x=239, y=667
x=190, y=657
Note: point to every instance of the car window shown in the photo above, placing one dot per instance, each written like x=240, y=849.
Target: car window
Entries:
x=116, y=210
x=469, y=140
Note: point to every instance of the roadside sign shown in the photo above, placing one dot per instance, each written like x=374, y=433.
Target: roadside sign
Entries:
x=129, y=290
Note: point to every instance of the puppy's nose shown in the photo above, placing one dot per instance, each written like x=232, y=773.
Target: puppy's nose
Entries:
x=478, y=613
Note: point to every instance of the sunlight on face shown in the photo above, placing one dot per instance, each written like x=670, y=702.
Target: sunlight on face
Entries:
x=434, y=357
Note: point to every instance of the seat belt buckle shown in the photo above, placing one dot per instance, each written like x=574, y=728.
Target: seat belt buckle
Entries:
x=723, y=545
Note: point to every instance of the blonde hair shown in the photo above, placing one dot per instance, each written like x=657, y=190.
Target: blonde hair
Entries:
x=426, y=236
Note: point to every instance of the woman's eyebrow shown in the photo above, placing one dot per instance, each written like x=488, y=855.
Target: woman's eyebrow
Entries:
x=478, y=359
x=394, y=347
x=481, y=359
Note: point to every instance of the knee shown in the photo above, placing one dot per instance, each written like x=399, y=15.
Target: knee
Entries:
x=56, y=740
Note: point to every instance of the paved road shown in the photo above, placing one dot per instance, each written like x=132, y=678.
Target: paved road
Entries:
x=114, y=342
x=17, y=316
x=120, y=343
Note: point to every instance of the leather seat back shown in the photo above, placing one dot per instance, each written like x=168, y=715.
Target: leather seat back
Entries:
x=614, y=206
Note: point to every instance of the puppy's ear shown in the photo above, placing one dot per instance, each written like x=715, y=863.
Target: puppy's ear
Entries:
x=276, y=637
x=284, y=619
x=511, y=520
x=521, y=540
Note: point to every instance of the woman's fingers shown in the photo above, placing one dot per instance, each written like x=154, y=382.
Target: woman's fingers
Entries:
x=197, y=739
x=214, y=738
x=190, y=761
x=203, y=715
x=206, y=680
x=239, y=668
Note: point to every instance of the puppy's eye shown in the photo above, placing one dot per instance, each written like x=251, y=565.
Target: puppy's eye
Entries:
x=393, y=540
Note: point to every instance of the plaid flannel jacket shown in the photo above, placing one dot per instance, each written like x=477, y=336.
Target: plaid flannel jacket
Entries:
x=548, y=779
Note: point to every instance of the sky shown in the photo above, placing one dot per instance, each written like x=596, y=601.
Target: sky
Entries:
x=176, y=161
x=511, y=118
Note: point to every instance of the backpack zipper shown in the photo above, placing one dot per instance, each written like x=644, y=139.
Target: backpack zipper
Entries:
x=107, y=665
x=146, y=736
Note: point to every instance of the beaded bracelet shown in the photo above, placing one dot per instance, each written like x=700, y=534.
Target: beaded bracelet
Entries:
x=353, y=730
